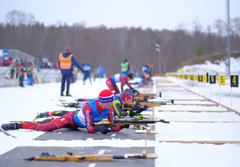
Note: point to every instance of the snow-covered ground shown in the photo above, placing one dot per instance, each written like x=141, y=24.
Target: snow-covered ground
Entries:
x=18, y=103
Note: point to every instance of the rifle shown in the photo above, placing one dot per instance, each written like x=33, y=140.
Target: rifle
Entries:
x=152, y=95
x=143, y=97
x=76, y=105
x=79, y=158
x=146, y=103
x=116, y=122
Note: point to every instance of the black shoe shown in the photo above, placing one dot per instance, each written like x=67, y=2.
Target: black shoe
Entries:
x=68, y=95
x=62, y=94
x=11, y=126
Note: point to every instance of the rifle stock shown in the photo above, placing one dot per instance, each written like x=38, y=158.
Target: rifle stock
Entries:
x=80, y=158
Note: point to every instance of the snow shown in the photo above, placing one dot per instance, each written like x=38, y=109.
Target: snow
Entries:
x=24, y=103
x=209, y=67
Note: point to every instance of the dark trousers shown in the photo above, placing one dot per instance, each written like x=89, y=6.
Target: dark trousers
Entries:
x=66, y=77
x=112, y=86
x=21, y=78
x=86, y=76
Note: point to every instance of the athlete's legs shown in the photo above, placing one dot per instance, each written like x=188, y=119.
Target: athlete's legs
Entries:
x=63, y=83
x=112, y=86
x=64, y=121
x=68, y=78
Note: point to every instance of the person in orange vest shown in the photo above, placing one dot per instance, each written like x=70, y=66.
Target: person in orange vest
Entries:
x=65, y=63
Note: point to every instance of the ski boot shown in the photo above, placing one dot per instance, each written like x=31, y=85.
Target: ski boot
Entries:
x=11, y=126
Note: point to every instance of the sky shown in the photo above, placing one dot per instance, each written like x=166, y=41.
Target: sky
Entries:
x=154, y=14
x=26, y=102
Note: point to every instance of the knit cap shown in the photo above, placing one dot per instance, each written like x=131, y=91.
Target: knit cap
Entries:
x=106, y=96
x=67, y=49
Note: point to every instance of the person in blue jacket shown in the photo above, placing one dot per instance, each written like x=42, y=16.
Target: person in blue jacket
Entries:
x=65, y=62
x=101, y=71
x=87, y=72
x=116, y=78
x=93, y=112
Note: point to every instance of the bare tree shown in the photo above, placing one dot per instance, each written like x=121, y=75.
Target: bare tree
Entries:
x=16, y=18
x=109, y=47
x=235, y=33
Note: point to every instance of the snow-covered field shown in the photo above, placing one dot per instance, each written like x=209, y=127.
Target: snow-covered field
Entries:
x=24, y=103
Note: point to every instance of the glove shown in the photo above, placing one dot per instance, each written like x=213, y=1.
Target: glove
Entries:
x=145, y=98
x=135, y=92
x=145, y=108
x=132, y=113
x=126, y=126
x=103, y=129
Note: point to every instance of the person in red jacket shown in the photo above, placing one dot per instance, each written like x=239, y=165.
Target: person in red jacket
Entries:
x=92, y=112
x=122, y=78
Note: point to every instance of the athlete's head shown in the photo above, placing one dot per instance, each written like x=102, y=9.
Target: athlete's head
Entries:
x=67, y=49
x=126, y=97
x=106, y=98
x=130, y=76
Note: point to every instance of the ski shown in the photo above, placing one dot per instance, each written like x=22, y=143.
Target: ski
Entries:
x=6, y=133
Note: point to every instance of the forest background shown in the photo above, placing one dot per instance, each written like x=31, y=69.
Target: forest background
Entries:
x=110, y=46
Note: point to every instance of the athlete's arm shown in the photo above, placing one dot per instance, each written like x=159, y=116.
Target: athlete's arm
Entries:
x=110, y=118
x=88, y=118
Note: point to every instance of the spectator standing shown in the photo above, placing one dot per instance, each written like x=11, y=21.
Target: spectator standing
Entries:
x=35, y=74
x=65, y=63
x=45, y=62
x=131, y=70
x=21, y=71
x=12, y=71
x=125, y=66
x=1, y=61
x=95, y=74
x=87, y=72
x=10, y=61
x=101, y=72
x=29, y=70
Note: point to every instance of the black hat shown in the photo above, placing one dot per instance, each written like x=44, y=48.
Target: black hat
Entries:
x=130, y=76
